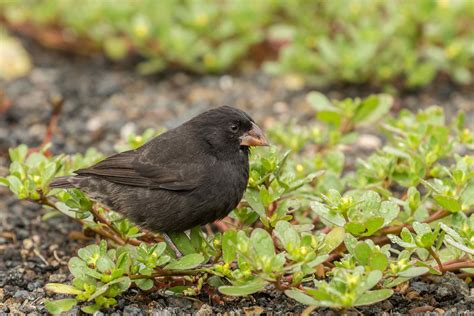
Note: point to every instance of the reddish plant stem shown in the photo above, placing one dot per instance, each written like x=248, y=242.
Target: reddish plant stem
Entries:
x=465, y=275
x=397, y=229
x=221, y=226
x=455, y=266
x=98, y=230
x=5, y=103
x=57, y=106
x=114, y=234
x=437, y=259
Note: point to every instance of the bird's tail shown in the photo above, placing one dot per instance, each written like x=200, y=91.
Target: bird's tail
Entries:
x=61, y=183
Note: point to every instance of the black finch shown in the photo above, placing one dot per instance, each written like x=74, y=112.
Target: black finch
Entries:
x=191, y=175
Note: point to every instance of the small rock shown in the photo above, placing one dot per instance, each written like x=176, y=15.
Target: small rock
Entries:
x=57, y=278
x=442, y=292
x=127, y=129
x=15, y=61
x=28, y=244
x=132, y=310
x=280, y=107
x=386, y=305
x=226, y=82
x=204, y=310
x=294, y=82
x=368, y=142
x=94, y=124
x=22, y=294
x=34, y=285
x=419, y=287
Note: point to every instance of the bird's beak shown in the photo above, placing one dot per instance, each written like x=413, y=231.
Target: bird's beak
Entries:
x=254, y=137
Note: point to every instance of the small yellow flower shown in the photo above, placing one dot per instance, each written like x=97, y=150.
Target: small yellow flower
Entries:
x=210, y=60
x=352, y=280
x=452, y=50
x=141, y=26
x=443, y=3
x=299, y=168
x=201, y=19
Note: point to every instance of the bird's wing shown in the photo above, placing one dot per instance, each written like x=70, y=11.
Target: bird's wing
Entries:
x=128, y=168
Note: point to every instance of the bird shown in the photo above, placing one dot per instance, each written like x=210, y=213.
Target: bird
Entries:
x=189, y=176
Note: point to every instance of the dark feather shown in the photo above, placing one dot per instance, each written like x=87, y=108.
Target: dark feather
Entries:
x=188, y=176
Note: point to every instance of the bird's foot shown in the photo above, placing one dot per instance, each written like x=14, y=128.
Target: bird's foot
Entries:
x=171, y=244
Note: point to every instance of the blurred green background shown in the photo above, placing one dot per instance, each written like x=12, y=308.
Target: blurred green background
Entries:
x=376, y=42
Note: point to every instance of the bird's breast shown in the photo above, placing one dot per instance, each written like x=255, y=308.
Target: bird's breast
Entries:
x=228, y=185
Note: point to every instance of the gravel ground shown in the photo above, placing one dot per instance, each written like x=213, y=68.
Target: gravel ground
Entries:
x=104, y=101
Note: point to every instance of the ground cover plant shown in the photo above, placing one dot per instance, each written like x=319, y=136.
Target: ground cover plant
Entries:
x=324, y=229
x=403, y=42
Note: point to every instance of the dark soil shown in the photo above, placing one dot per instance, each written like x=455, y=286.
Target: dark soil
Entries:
x=104, y=101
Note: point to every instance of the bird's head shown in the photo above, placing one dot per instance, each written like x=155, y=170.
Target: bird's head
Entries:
x=228, y=129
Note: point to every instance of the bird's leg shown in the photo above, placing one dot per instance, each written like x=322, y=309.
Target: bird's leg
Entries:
x=171, y=244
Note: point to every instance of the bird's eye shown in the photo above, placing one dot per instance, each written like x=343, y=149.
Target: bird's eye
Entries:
x=234, y=127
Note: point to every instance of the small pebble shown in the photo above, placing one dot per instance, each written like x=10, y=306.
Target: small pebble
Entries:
x=368, y=142
x=22, y=294
x=57, y=278
x=443, y=292
x=132, y=310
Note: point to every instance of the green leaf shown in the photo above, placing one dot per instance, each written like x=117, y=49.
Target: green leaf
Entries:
x=362, y=253
x=407, y=235
x=243, y=290
x=449, y=203
x=301, y=297
x=15, y=184
x=330, y=216
x=4, y=182
x=187, y=262
x=88, y=252
x=459, y=245
x=350, y=242
x=66, y=210
x=287, y=234
x=62, y=288
x=370, y=201
x=378, y=261
x=229, y=246
x=373, y=224
x=333, y=239
x=372, y=297
x=105, y=264
x=389, y=211
x=77, y=267
x=371, y=280
x=60, y=306
x=253, y=198
x=98, y=292
x=320, y=102
x=330, y=117
x=467, y=195
x=394, y=282
x=196, y=238
x=413, y=272
x=262, y=242
x=355, y=228
x=91, y=309
x=19, y=153
x=144, y=284
x=421, y=228
x=373, y=108
x=182, y=242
